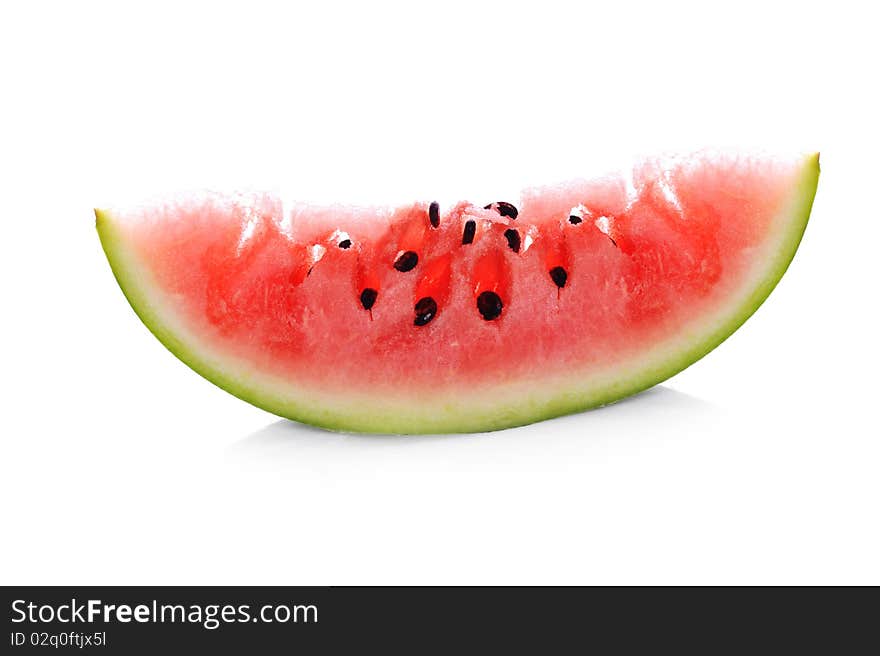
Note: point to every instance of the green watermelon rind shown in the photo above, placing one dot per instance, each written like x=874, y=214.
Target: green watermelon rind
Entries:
x=504, y=406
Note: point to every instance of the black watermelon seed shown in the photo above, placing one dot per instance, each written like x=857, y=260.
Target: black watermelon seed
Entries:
x=406, y=261
x=559, y=276
x=513, y=241
x=490, y=306
x=345, y=244
x=574, y=219
x=368, y=298
x=503, y=208
x=506, y=209
x=426, y=309
x=434, y=214
x=470, y=229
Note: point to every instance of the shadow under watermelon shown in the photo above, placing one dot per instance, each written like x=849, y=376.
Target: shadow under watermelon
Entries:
x=643, y=421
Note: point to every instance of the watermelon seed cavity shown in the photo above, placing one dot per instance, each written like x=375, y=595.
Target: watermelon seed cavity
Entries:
x=604, y=225
x=434, y=214
x=406, y=261
x=426, y=309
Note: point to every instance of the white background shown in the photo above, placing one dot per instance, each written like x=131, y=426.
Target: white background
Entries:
x=759, y=464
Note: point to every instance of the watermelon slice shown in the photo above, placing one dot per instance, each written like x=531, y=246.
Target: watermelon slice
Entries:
x=469, y=317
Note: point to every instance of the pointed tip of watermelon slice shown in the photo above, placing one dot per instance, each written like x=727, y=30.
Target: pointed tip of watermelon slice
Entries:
x=812, y=161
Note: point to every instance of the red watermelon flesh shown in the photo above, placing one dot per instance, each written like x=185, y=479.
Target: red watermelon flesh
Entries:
x=471, y=317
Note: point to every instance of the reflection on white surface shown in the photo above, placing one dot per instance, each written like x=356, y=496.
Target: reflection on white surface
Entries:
x=642, y=422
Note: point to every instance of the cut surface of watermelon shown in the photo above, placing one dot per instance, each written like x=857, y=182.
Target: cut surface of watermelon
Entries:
x=477, y=316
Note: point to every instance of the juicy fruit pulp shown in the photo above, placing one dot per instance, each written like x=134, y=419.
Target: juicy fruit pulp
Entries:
x=472, y=317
